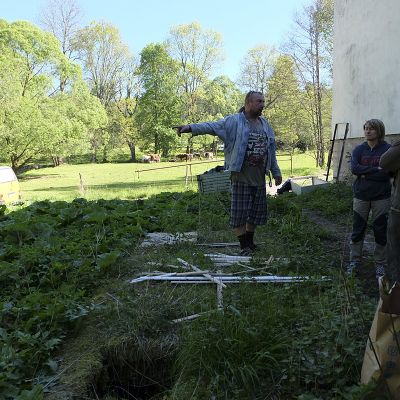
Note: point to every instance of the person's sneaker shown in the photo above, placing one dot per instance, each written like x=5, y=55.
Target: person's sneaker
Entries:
x=352, y=267
x=246, y=252
x=379, y=270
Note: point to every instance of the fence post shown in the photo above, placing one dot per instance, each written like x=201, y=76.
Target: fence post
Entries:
x=291, y=164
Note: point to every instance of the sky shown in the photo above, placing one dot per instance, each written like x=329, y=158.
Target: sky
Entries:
x=242, y=25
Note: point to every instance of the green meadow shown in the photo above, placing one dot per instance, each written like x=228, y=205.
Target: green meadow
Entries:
x=133, y=180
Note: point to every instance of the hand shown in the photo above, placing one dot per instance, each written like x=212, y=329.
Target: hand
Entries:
x=181, y=129
x=278, y=180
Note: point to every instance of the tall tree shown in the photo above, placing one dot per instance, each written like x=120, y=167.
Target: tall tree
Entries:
x=78, y=114
x=159, y=104
x=62, y=18
x=126, y=109
x=310, y=46
x=197, y=52
x=286, y=113
x=220, y=97
x=30, y=116
x=105, y=59
x=256, y=69
x=217, y=98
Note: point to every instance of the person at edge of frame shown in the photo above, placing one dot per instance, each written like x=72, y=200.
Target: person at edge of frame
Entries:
x=390, y=162
x=250, y=155
x=371, y=193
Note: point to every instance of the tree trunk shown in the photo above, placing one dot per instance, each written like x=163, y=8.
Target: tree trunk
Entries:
x=104, y=160
x=132, y=150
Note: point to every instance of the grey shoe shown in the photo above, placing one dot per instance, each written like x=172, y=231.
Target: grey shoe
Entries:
x=379, y=270
x=352, y=267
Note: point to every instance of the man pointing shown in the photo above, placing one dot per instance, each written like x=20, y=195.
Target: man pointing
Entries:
x=249, y=149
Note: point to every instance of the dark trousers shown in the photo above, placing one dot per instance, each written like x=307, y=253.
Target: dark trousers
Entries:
x=393, y=246
x=361, y=210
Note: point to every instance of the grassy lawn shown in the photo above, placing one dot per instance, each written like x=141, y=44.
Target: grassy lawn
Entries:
x=73, y=323
x=120, y=180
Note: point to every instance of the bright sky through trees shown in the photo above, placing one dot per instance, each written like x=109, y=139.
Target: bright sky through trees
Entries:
x=243, y=25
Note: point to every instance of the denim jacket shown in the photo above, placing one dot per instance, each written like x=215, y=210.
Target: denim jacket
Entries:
x=234, y=131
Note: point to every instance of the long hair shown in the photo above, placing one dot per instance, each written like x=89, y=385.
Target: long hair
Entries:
x=247, y=98
x=378, y=125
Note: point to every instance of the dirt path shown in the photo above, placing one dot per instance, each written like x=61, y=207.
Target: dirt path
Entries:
x=342, y=233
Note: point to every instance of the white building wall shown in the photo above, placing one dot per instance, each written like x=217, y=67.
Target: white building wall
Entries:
x=366, y=68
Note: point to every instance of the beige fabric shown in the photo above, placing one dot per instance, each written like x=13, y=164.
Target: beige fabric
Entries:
x=382, y=353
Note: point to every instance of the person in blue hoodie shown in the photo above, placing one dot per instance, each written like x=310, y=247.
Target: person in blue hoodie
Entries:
x=249, y=150
x=371, y=194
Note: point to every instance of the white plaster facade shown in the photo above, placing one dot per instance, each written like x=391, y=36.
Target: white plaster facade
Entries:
x=366, y=70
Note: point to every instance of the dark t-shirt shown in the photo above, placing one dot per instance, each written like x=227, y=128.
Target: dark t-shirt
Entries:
x=253, y=168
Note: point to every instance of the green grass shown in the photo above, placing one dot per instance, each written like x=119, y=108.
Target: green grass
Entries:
x=65, y=271
x=121, y=181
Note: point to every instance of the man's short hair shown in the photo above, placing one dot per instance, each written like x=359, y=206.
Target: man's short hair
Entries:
x=249, y=94
x=247, y=98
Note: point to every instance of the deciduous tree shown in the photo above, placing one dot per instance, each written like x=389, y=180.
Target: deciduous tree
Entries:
x=31, y=115
x=257, y=68
x=286, y=113
x=198, y=52
x=310, y=46
x=159, y=104
x=62, y=18
x=105, y=59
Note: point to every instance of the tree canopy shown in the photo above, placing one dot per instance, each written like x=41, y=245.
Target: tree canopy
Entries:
x=75, y=89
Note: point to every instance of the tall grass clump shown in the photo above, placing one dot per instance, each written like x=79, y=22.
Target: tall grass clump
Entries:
x=274, y=342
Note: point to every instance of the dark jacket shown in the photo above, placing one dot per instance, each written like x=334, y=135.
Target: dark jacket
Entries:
x=390, y=161
x=372, y=182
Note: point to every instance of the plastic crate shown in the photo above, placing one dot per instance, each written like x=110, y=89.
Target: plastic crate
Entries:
x=213, y=181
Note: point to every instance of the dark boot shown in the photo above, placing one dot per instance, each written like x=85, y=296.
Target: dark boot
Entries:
x=244, y=248
x=250, y=240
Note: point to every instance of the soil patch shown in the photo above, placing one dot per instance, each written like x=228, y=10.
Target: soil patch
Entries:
x=341, y=238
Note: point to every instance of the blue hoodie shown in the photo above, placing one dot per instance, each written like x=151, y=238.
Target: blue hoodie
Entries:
x=372, y=182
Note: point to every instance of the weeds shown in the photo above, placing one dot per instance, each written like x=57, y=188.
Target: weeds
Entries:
x=64, y=268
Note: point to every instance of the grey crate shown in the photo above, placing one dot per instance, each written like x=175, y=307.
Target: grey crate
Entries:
x=214, y=182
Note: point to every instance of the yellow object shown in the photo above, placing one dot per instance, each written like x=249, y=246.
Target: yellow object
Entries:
x=382, y=353
x=9, y=186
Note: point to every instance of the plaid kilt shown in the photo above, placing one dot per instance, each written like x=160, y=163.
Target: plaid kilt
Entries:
x=248, y=205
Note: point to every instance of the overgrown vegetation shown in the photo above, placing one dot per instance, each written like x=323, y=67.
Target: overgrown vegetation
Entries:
x=71, y=323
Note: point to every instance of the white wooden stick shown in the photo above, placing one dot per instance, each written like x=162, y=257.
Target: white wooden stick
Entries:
x=220, y=300
x=190, y=317
x=195, y=268
x=228, y=279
